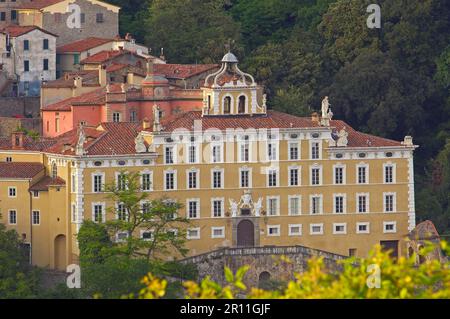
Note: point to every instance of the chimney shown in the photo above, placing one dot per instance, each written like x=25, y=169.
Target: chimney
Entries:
x=17, y=140
x=130, y=78
x=145, y=123
x=315, y=117
x=78, y=82
x=102, y=77
x=149, y=66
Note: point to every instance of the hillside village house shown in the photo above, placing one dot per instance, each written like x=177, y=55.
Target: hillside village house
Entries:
x=8, y=12
x=247, y=176
x=94, y=96
x=28, y=58
x=97, y=18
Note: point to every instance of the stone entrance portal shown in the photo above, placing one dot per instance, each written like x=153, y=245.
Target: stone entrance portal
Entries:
x=246, y=233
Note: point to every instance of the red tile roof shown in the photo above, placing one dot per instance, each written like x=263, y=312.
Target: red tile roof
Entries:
x=16, y=31
x=116, y=66
x=183, y=71
x=96, y=97
x=17, y=170
x=106, y=55
x=39, y=4
x=90, y=78
x=47, y=181
x=82, y=45
x=29, y=144
x=272, y=120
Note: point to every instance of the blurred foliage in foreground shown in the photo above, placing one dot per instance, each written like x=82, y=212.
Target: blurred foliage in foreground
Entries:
x=400, y=278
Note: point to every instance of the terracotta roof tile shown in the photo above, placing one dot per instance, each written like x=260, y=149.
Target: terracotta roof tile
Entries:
x=47, y=181
x=20, y=170
x=82, y=45
x=183, y=71
x=96, y=97
x=39, y=4
x=15, y=30
x=29, y=144
x=104, y=56
x=89, y=78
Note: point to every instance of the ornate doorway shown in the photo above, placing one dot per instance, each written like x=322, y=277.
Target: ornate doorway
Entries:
x=246, y=234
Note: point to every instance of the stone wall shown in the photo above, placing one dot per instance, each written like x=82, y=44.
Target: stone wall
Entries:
x=24, y=106
x=10, y=124
x=267, y=260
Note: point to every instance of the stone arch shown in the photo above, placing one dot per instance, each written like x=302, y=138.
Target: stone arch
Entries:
x=227, y=104
x=60, y=252
x=263, y=279
x=242, y=104
x=246, y=233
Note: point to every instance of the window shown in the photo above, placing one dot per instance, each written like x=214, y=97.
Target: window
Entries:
x=26, y=66
x=169, y=155
x=362, y=228
x=390, y=227
x=339, y=175
x=389, y=203
x=26, y=45
x=245, y=152
x=12, y=192
x=294, y=205
x=389, y=174
x=217, y=232
x=272, y=151
x=339, y=204
x=82, y=17
x=116, y=117
x=146, y=207
x=121, y=237
x=362, y=174
x=217, y=179
x=36, y=194
x=272, y=178
x=192, y=179
x=73, y=183
x=146, y=182
x=98, y=213
x=241, y=106
x=227, y=105
x=192, y=154
x=170, y=182
x=99, y=18
x=133, y=117
x=316, y=229
x=352, y=252
x=2, y=16
x=362, y=203
x=45, y=44
x=12, y=217
x=98, y=183
x=36, y=217
x=315, y=176
x=54, y=170
x=315, y=150
x=76, y=59
x=216, y=153
x=316, y=204
x=193, y=233
x=9, y=159
x=217, y=207
x=13, y=15
x=245, y=178
x=293, y=151
x=273, y=206
x=293, y=176
x=295, y=230
x=273, y=230
x=193, y=208
x=339, y=228
x=74, y=213
x=122, y=213
x=121, y=181
x=146, y=235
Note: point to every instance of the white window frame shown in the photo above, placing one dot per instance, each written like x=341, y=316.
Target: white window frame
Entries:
x=151, y=180
x=93, y=175
x=222, y=178
x=311, y=142
x=174, y=172
x=73, y=184
x=336, y=232
x=344, y=204
x=117, y=211
x=278, y=227
x=103, y=204
x=270, y=170
x=117, y=175
x=240, y=154
x=320, y=196
x=173, y=154
x=367, y=231
x=36, y=194
x=299, y=198
x=217, y=236
x=311, y=226
x=197, y=181
x=394, y=231
x=394, y=202
x=297, y=144
x=32, y=217
x=268, y=199
x=291, y=233
x=366, y=166
x=188, y=201
x=344, y=174
x=73, y=212
x=394, y=173
x=367, y=195
x=222, y=213
x=188, y=158
x=277, y=150
x=197, y=229
x=143, y=231
x=9, y=216
x=311, y=168
x=116, y=237
x=249, y=170
x=299, y=175
x=12, y=188
x=221, y=150
x=116, y=114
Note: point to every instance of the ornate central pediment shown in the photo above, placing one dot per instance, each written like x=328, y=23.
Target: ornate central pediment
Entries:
x=246, y=203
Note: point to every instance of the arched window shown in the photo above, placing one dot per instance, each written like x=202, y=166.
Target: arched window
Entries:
x=264, y=280
x=54, y=170
x=227, y=105
x=241, y=106
x=209, y=102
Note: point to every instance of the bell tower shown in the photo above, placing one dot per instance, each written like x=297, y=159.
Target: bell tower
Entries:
x=231, y=92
